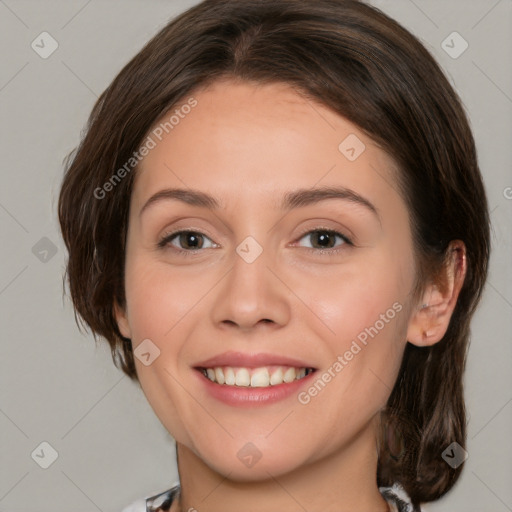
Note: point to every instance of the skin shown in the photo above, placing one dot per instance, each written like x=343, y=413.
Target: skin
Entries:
x=248, y=145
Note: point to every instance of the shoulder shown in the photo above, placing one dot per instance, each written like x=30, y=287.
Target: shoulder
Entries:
x=398, y=498
x=155, y=502
x=395, y=495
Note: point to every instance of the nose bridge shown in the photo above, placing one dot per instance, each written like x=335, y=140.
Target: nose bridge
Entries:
x=250, y=264
x=250, y=292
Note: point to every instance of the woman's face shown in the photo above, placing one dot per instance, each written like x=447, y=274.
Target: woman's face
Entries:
x=267, y=282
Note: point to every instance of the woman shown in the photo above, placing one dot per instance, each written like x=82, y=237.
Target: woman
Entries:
x=277, y=221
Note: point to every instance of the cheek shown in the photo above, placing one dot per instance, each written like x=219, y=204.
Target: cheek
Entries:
x=356, y=297
x=157, y=301
x=365, y=310
x=157, y=298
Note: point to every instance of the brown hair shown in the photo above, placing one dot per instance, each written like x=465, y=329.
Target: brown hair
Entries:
x=363, y=65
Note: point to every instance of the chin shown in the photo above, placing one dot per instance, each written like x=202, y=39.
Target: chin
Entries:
x=250, y=464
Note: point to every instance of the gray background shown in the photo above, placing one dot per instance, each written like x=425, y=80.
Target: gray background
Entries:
x=57, y=386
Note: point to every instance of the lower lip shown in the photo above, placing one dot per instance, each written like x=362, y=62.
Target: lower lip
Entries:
x=244, y=396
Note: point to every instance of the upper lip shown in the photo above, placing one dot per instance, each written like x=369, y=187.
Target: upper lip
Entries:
x=232, y=358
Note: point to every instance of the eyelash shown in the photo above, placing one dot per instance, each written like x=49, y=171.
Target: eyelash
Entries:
x=165, y=241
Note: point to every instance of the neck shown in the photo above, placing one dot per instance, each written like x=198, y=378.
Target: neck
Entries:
x=343, y=482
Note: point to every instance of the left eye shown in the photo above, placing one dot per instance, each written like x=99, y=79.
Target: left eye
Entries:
x=325, y=238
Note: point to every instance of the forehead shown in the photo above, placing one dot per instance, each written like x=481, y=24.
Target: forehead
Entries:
x=247, y=143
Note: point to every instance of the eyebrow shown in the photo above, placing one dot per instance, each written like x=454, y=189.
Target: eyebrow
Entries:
x=294, y=199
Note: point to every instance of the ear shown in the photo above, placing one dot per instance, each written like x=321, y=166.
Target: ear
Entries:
x=431, y=317
x=122, y=320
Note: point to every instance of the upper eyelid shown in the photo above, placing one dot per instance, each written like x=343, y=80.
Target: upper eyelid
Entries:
x=169, y=235
x=339, y=232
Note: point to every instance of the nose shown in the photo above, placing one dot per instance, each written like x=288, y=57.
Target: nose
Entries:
x=251, y=295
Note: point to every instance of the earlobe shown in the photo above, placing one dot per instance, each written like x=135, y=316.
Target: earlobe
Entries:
x=122, y=321
x=431, y=318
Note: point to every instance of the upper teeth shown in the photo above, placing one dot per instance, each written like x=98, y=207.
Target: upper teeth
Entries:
x=255, y=377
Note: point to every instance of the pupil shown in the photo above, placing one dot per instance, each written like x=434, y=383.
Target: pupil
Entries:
x=324, y=236
x=186, y=237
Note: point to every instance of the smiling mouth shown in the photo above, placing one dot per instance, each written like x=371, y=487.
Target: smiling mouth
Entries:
x=265, y=376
